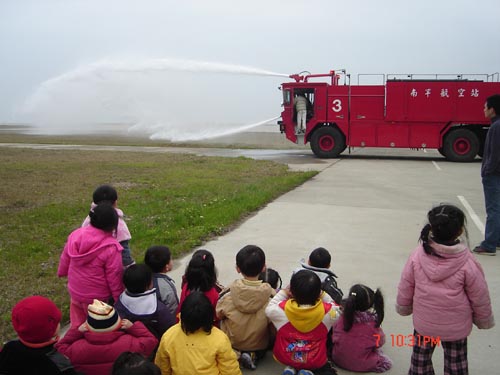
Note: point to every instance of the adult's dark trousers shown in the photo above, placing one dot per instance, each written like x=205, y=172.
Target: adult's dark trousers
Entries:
x=491, y=189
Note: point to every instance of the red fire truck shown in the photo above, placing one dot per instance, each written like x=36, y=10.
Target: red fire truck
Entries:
x=444, y=112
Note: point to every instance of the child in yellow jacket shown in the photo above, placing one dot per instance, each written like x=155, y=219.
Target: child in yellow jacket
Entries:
x=209, y=351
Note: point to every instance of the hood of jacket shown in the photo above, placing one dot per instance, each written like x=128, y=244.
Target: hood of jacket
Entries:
x=306, y=317
x=451, y=259
x=84, y=243
x=141, y=303
x=250, y=296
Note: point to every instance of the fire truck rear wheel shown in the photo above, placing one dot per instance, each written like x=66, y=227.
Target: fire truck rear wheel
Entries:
x=461, y=145
x=327, y=142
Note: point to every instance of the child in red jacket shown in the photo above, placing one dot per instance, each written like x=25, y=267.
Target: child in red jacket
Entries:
x=302, y=317
x=96, y=344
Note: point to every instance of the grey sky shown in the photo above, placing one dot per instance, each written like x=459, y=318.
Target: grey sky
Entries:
x=43, y=39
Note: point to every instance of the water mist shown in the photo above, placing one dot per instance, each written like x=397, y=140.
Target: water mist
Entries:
x=169, y=99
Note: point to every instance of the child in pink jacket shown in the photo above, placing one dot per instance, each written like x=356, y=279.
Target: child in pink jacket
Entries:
x=92, y=261
x=357, y=336
x=444, y=287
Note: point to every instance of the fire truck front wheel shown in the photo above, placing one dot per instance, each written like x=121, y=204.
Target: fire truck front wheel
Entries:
x=327, y=142
x=461, y=145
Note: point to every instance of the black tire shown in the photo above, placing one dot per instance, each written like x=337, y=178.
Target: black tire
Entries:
x=327, y=142
x=440, y=150
x=461, y=145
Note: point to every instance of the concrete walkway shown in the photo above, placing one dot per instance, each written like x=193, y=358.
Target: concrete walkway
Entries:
x=368, y=211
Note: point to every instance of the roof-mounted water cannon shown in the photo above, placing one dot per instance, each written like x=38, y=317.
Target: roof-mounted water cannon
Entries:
x=299, y=77
x=296, y=77
x=302, y=77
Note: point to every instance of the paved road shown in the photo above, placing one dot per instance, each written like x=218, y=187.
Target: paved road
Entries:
x=368, y=210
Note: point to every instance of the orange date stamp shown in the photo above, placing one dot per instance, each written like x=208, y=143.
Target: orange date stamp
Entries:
x=410, y=340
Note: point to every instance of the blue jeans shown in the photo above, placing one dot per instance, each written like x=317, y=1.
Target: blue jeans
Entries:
x=127, y=259
x=491, y=188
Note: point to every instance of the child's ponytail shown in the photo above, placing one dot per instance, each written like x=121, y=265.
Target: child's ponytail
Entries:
x=378, y=305
x=201, y=273
x=424, y=238
x=349, y=309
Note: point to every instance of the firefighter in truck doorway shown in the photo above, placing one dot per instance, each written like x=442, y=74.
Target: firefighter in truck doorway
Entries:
x=301, y=109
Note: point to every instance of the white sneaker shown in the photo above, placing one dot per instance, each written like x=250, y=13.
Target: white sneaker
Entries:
x=247, y=361
x=288, y=371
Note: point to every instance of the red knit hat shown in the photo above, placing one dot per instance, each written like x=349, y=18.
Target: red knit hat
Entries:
x=35, y=319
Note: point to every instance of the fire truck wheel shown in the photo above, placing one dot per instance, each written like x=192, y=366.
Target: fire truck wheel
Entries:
x=327, y=142
x=461, y=145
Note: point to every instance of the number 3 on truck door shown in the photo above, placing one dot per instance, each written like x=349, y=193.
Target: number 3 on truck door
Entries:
x=336, y=105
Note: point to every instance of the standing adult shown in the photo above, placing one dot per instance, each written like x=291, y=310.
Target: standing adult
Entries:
x=301, y=108
x=490, y=174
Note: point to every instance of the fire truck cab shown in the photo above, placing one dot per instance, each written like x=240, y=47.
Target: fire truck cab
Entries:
x=444, y=112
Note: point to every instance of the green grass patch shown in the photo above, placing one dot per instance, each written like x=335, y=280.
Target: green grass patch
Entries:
x=174, y=199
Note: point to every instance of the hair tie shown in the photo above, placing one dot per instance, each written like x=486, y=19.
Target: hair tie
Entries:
x=441, y=213
x=353, y=294
x=204, y=256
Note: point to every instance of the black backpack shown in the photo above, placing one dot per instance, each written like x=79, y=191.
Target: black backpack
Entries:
x=330, y=286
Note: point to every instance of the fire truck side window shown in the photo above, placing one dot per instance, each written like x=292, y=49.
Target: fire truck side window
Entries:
x=286, y=97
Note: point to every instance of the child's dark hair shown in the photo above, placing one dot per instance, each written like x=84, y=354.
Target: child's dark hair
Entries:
x=361, y=298
x=320, y=258
x=196, y=312
x=104, y=217
x=105, y=193
x=137, y=278
x=157, y=257
x=251, y=260
x=130, y=363
x=272, y=277
x=201, y=273
x=305, y=286
x=446, y=223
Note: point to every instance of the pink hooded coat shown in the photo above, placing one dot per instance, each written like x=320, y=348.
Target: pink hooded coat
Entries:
x=446, y=295
x=92, y=261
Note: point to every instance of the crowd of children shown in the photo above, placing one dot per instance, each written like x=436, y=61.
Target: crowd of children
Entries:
x=126, y=317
